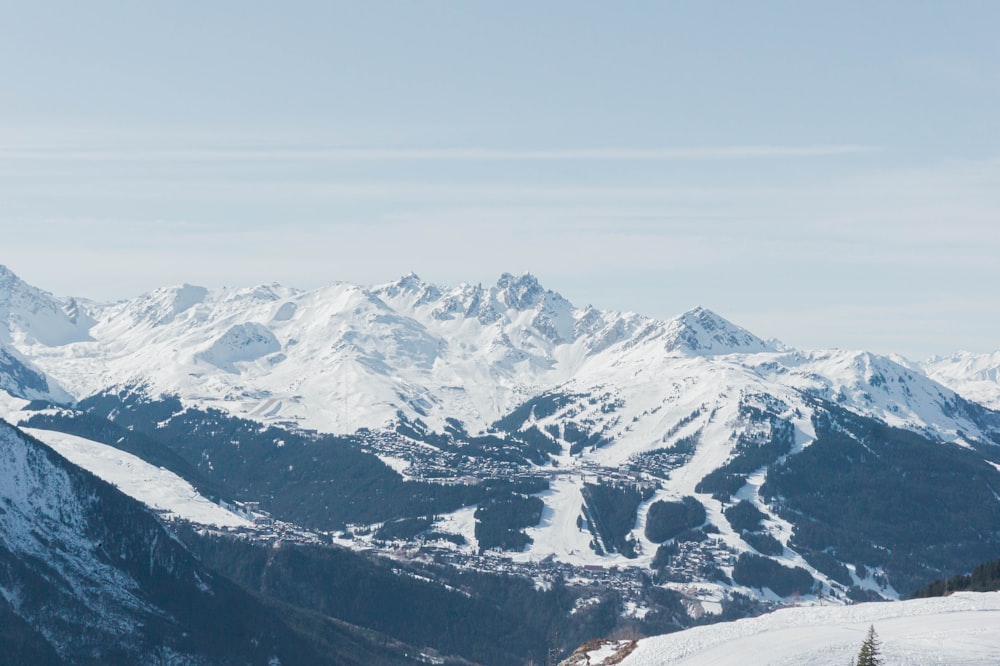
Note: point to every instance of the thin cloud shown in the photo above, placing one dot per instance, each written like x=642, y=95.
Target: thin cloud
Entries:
x=708, y=153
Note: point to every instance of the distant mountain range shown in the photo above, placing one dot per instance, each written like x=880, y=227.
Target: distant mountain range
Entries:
x=502, y=422
x=469, y=352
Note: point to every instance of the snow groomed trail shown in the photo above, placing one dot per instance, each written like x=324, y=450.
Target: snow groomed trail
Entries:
x=959, y=630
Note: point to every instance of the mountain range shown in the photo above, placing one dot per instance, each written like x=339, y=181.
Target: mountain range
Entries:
x=501, y=427
x=472, y=353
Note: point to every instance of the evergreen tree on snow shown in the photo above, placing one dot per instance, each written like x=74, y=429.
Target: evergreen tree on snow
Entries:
x=869, y=653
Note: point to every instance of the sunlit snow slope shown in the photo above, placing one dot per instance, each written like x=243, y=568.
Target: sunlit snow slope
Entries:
x=956, y=630
x=157, y=488
x=344, y=357
x=975, y=376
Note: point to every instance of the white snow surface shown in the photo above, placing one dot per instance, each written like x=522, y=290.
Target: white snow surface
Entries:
x=558, y=533
x=343, y=357
x=33, y=316
x=157, y=488
x=956, y=630
x=606, y=651
x=974, y=376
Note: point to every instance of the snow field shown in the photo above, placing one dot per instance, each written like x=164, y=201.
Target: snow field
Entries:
x=558, y=534
x=957, y=630
x=157, y=488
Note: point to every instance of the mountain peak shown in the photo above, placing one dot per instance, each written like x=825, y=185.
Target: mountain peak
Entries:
x=410, y=282
x=521, y=292
x=410, y=287
x=31, y=315
x=703, y=332
x=161, y=306
x=507, y=279
x=10, y=280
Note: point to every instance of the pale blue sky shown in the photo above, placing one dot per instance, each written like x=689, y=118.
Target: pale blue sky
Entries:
x=829, y=175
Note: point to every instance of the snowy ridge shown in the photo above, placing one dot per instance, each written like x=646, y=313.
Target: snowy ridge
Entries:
x=974, y=376
x=159, y=489
x=469, y=352
x=701, y=331
x=21, y=379
x=241, y=343
x=92, y=576
x=40, y=499
x=46, y=522
x=343, y=357
x=30, y=316
x=651, y=411
x=955, y=630
x=873, y=385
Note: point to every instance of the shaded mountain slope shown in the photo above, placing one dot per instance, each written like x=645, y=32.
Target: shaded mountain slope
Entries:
x=100, y=580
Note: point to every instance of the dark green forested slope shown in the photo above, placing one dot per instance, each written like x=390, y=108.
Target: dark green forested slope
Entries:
x=984, y=578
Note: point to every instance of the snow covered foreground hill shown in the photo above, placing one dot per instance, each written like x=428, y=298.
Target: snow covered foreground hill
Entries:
x=960, y=630
x=687, y=450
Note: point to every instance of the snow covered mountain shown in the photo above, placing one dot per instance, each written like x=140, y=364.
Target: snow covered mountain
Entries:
x=343, y=357
x=33, y=316
x=688, y=448
x=89, y=576
x=30, y=316
x=975, y=376
x=21, y=379
x=270, y=352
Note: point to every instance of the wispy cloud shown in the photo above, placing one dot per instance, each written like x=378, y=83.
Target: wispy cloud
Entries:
x=705, y=153
x=849, y=259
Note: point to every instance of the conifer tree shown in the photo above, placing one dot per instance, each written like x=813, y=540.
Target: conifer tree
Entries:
x=869, y=653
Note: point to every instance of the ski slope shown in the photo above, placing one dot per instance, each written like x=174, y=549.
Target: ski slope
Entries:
x=159, y=489
x=958, y=630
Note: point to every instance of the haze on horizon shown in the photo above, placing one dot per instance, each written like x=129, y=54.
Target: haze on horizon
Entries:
x=825, y=175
